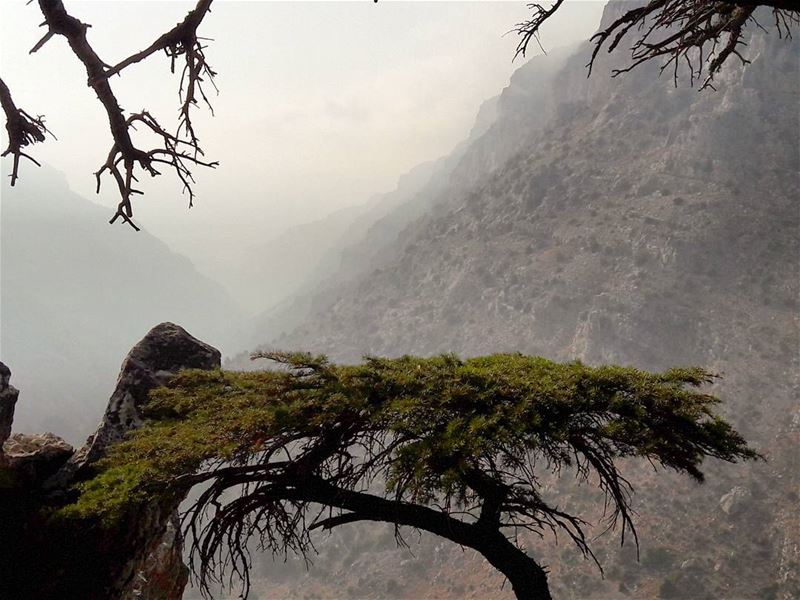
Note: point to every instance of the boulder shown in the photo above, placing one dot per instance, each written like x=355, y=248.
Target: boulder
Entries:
x=732, y=502
x=141, y=555
x=35, y=457
x=157, y=571
x=8, y=400
x=166, y=349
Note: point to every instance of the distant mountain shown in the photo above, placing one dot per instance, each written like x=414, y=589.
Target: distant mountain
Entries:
x=616, y=220
x=77, y=293
x=349, y=244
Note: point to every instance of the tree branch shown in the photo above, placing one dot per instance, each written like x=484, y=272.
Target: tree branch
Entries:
x=124, y=157
x=331, y=522
x=693, y=32
x=23, y=130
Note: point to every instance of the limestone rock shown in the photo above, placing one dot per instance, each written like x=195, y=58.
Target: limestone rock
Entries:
x=731, y=503
x=34, y=457
x=138, y=557
x=165, y=350
x=691, y=563
x=159, y=571
x=8, y=399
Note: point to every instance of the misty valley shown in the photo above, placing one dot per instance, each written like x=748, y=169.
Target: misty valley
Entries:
x=560, y=360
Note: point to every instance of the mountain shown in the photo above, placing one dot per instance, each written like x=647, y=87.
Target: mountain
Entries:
x=623, y=220
x=280, y=270
x=76, y=293
x=365, y=236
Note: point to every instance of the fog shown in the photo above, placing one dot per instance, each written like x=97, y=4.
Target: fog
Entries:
x=321, y=105
x=391, y=183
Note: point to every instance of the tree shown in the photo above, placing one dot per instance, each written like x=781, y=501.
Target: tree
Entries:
x=680, y=31
x=696, y=33
x=457, y=448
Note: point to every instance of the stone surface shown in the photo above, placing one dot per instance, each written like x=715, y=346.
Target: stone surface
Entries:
x=34, y=457
x=8, y=400
x=731, y=503
x=159, y=571
x=165, y=350
x=140, y=556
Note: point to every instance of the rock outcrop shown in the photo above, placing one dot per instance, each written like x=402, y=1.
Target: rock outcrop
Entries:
x=8, y=400
x=165, y=350
x=35, y=457
x=139, y=558
x=97, y=313
x=732, y=502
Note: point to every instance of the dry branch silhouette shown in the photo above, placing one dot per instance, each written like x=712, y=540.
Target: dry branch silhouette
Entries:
x=699, y=34
x=179, y=151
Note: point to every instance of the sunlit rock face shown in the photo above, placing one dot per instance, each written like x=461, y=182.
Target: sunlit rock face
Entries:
x=141, y=557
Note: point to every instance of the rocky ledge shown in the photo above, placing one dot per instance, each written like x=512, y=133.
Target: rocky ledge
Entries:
x=8, y=400
x=141, y=558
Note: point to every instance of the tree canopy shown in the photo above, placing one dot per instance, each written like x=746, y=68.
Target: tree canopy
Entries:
x=454, y=447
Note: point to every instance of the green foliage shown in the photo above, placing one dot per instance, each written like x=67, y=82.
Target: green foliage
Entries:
x=427, y=425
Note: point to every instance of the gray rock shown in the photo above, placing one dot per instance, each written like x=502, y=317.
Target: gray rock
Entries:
x=691, y=563
x=165, y=350
x=159, y=571
x=731, y=503
x=8, y=400
x=140, y=557
x=34, y=457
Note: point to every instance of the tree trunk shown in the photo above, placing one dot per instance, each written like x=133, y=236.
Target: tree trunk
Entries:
x=528, y=579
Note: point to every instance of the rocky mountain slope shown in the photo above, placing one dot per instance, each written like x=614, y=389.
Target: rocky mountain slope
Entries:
x=616, y=220
x=76, y=293
x=347, y=245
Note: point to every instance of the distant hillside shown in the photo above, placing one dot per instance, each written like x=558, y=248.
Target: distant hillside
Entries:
x=77, y=293
x=371, y=235
x=611, y=220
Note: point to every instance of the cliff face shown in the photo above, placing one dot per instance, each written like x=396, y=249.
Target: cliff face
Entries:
x=630, y=222
x=139, y=557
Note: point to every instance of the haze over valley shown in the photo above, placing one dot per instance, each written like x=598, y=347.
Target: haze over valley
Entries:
x=473, y=206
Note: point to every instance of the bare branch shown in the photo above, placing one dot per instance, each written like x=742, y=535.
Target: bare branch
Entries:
x=180, y=151
x=530, y=29
x=23, y=130
x=679, y=31
x=332, y=522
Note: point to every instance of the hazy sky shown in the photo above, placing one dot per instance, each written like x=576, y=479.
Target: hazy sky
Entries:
x=321, y=104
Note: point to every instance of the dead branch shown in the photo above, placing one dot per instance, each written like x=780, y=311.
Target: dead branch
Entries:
x=23, y=130
x=700, y=34
x=530, y=29
x=180, y=151
x=182, y=41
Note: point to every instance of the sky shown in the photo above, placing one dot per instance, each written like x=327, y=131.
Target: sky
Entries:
x=321, y=104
